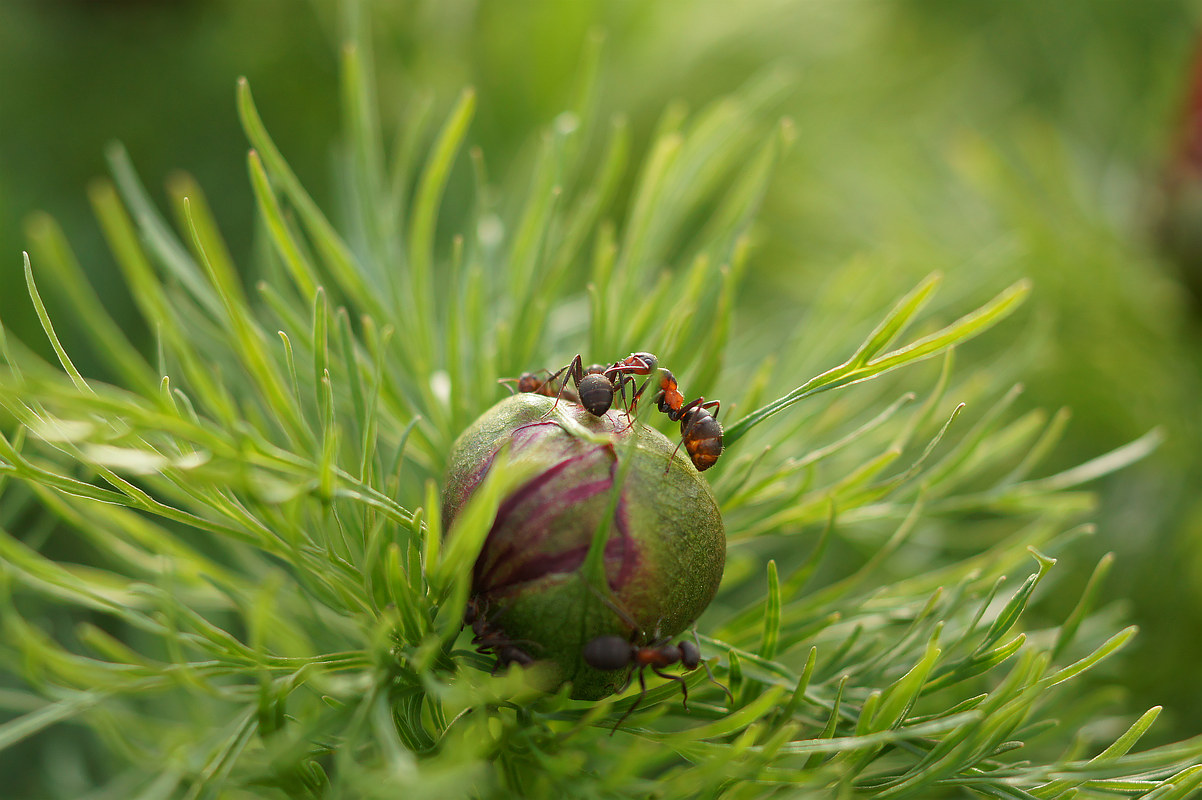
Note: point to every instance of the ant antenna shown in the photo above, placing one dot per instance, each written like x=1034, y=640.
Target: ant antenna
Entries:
x=709, y=673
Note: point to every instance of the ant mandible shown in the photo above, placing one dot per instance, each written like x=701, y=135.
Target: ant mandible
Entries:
x=611, y=653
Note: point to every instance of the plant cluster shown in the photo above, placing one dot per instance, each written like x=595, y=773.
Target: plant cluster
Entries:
x=224, y=572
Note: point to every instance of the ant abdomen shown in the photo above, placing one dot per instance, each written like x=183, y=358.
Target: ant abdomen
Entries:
x=701, y=435
x=608, y=653
x=596, y=393
x=611, y=653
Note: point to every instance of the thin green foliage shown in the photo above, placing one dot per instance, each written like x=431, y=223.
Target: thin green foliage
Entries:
x=281, y=608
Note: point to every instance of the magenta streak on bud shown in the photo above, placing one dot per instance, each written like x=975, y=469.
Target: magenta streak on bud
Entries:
x=519, y=439
x=540, y=507
x=567, y=561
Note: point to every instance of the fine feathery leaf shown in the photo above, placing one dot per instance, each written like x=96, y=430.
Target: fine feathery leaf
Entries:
x=862, y=366
x=231, y=576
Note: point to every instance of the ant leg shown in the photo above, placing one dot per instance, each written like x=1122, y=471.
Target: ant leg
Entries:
x=709, y=673
x=491, y=641
x=554, y=376
x=620, y=389
x=683, y=436
x=684, y=687
x=677, y=415
x=575, y=371
x=512, y=655
x=623, y=370
x=548, y=389
x=632, y=406
x=634, y=400
x=673, y=456
x=635, y=704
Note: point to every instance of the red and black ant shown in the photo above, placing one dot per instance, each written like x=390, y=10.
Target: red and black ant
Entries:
x=700, y=432
x=532, y=383
x=491, y=640
x=611, y=653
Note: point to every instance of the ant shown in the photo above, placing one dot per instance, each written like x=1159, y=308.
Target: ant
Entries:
x=611, y=653
x=531, y=382
x=491, y=640
x=597, y=386
x=700, y=432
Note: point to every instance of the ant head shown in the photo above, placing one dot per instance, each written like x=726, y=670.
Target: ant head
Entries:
x=594, y=369
x=607, y=653
x=529, y=382
x=690, y=656
x=596, y=393
x=649, y=361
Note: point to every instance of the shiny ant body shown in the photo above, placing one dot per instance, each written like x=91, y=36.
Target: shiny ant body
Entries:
x=701, y=435
x=610, y=653
x=597, y=386
x=700, y=431
x=491, y=640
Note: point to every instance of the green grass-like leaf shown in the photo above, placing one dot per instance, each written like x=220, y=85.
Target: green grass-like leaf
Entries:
x=240, y=583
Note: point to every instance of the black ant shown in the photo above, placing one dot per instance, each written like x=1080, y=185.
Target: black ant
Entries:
x=491, y=640
x=597, y=386
x=611, y=653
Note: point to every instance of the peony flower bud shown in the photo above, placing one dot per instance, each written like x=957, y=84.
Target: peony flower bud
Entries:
x=663, y=558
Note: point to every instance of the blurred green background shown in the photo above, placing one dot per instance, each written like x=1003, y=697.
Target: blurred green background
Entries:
x=987, y=140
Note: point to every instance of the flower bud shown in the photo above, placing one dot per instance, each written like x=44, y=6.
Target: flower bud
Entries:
x=664, y=554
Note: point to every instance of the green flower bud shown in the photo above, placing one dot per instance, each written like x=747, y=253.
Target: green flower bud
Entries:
x=664, y=555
